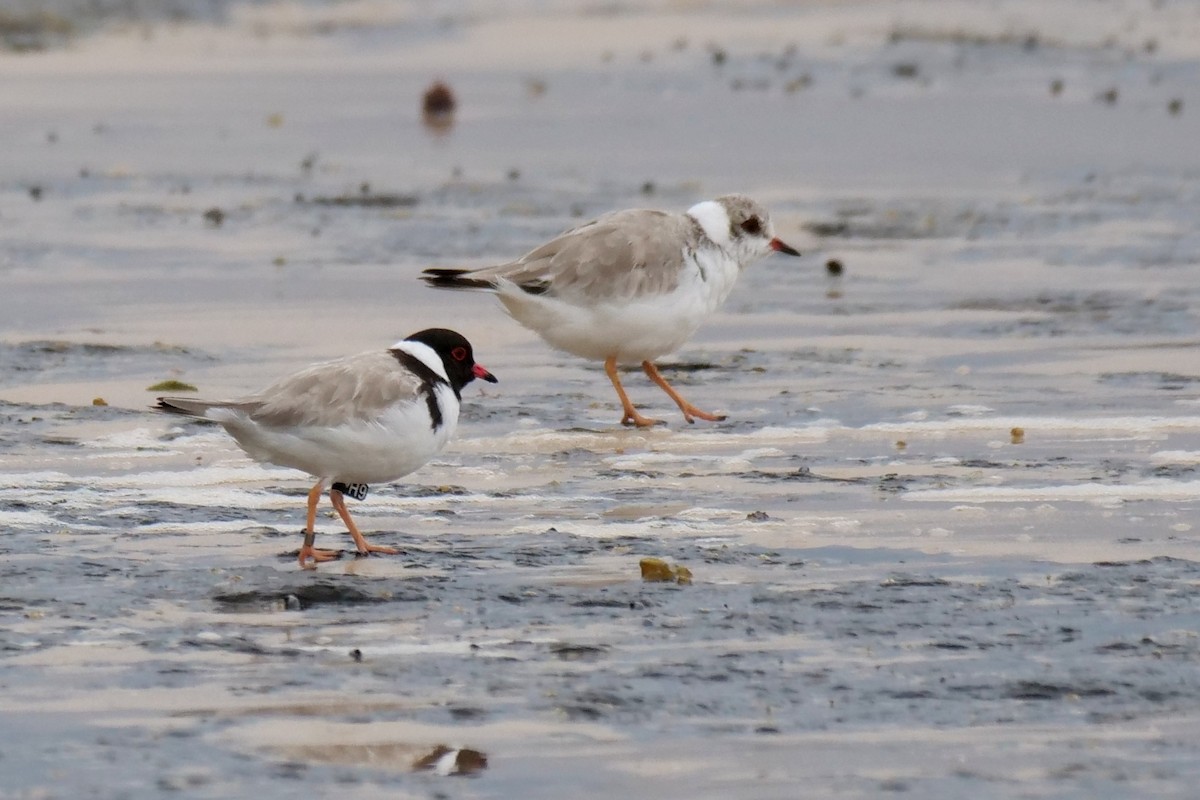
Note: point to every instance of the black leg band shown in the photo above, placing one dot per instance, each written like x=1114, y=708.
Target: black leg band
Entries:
x=356, y=490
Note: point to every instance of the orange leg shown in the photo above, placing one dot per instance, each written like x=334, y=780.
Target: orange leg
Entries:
x=631, y=414
x=307, y=551
x=339, y=505
x=687, y=408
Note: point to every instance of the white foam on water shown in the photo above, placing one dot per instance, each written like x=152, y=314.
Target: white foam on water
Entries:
x=448, y=647
x=816, y=431
x=1084, y=492
x=738, y=462
x=198, y=526
x=969, y=410
x=611, y=529
x=544, y=440
x=650, y=461
x=1104, y=426
x=201, y=476
x=31, y=480
x=700, y=514
x=1176, y=457
x=131, y=443
x=26, y=518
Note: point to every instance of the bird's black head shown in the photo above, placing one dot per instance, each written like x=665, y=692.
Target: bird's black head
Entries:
x=456, y=355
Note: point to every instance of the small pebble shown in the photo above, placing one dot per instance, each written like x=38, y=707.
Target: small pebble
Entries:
x=437, y=107
x=438, y=99
x=798, y=83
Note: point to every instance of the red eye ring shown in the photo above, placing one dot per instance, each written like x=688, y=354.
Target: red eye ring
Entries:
x=458, y=353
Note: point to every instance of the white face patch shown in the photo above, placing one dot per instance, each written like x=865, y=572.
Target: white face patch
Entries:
x=714, y=219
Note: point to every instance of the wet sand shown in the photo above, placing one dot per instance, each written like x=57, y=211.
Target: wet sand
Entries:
x=944, y=544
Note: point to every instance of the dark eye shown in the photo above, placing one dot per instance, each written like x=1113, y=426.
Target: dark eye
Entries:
x=752, y=226
x=458, y=353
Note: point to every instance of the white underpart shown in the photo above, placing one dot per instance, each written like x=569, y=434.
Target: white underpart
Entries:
x=633, y=329
x=643, y=327
x=378, y=449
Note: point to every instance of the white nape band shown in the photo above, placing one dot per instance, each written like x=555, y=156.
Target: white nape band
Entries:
x=423, y=353
x=714, y=219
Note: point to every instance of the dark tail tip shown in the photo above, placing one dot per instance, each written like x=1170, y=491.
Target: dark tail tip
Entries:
x=165, y=404
x=442, y=278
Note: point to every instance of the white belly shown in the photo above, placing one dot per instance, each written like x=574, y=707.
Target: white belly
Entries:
x=358, y=451
x=632, y=329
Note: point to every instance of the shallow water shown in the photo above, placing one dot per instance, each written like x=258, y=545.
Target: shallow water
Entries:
x=944, y=544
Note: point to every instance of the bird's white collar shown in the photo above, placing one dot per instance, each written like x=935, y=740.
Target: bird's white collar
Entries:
x=423, y=353
x=713, y=219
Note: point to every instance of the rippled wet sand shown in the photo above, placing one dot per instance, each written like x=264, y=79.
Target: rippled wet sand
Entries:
x=944, y=545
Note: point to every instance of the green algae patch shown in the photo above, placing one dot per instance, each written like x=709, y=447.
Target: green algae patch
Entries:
x=171, y=386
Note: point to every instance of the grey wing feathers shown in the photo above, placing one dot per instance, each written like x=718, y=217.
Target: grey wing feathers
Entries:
x=610, y=257
x=335, y=392
x=327, y=394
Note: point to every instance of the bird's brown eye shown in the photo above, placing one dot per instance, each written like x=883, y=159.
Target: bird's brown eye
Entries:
x=458, y=353
x=752, y=226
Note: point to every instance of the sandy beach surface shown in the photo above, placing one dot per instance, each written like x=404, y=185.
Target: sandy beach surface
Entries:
x=944, y=546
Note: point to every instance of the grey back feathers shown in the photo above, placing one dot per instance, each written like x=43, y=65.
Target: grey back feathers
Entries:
x=323, y=395
x=612, y=256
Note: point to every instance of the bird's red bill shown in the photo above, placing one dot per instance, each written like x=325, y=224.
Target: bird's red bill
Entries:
x=780, y=247
x=479, y=372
